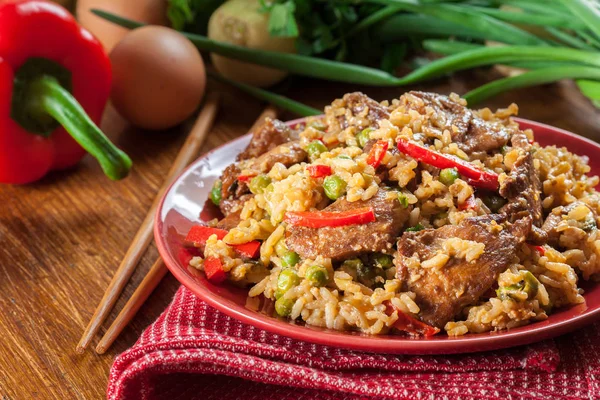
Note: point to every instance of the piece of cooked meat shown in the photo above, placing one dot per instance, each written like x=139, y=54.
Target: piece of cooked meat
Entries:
x=270, y=144
x=560, y=214
x=232, y=190
x=469, y=131
x=231, y=205
x=361, y=111
x=270, y=134
x=230, y=221
x=522, y=188
x=348, y=241
x=441, y=293
x=288, y=154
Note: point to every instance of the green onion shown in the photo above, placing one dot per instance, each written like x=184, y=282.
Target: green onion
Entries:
x=531, y=78
x=493, y=28
x=403, y=199
x=586, y=12
x=499, y=55
x=569, y=39
x=294, y=63
x=416, y=228
x=546, y=20
x=275, y=99
x=590, y=89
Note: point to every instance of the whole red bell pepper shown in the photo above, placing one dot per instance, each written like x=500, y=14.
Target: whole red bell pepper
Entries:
x=54, y=84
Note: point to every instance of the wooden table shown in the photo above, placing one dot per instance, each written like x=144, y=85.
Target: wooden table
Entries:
x=62, y=238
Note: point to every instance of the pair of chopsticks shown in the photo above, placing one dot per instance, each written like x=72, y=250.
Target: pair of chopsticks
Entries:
x=143, y=238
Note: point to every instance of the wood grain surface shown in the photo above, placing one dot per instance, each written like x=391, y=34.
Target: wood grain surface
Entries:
x=61, y=239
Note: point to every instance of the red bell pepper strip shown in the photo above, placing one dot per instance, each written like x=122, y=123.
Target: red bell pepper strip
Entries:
x=321, y=219
x=478, y=177
x=540, y=249
x=377, y=153
x=245, y=178
x=54, y=83
x=469, y=204
x=319, y=171
x=199, y=234
x=213, y=268
x=249, y=250
x=409, y=324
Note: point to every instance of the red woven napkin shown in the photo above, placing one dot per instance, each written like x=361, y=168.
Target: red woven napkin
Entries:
x=196, y=352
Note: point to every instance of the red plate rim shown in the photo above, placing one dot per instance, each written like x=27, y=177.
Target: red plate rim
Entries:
x=534, y=332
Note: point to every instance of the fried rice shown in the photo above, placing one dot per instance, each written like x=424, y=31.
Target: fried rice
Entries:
x=367, y=292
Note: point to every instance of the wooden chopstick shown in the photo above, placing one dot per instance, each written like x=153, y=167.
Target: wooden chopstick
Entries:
x=153, y=278
x=143, y=237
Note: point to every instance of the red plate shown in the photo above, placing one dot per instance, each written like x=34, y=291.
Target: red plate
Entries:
x=185, y=201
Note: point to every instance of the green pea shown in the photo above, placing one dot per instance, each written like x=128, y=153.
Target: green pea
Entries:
x=314, y=149
x=259, y=183
x=286, y=280
x=283, y=306
x=364, y=136
x=403, y=199
x=317, y=275
x=353, y=263
x=494, y=203
x=416, y=228
x=216, y=193
x=290, y=259
x=269, y=188
x=335, y=187
x=448, y=176
x=281, y=248
x=384, y=261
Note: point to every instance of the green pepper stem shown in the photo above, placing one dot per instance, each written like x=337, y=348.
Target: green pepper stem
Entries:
x=48, y=96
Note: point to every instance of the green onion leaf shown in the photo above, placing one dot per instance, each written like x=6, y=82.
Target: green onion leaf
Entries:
x=275, y=99
x=531, y=78
x=587, y=11
x=294, y=63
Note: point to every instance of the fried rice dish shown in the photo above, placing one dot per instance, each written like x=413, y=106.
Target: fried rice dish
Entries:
x=411, y=217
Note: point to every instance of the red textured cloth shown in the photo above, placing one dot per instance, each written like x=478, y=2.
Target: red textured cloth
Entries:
x=196, y=352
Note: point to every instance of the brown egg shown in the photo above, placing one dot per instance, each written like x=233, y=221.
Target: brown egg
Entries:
x=149, y=11
x=158, y=77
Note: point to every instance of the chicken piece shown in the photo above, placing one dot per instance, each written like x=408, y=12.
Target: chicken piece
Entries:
x=443, y=291
x=343, y=242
